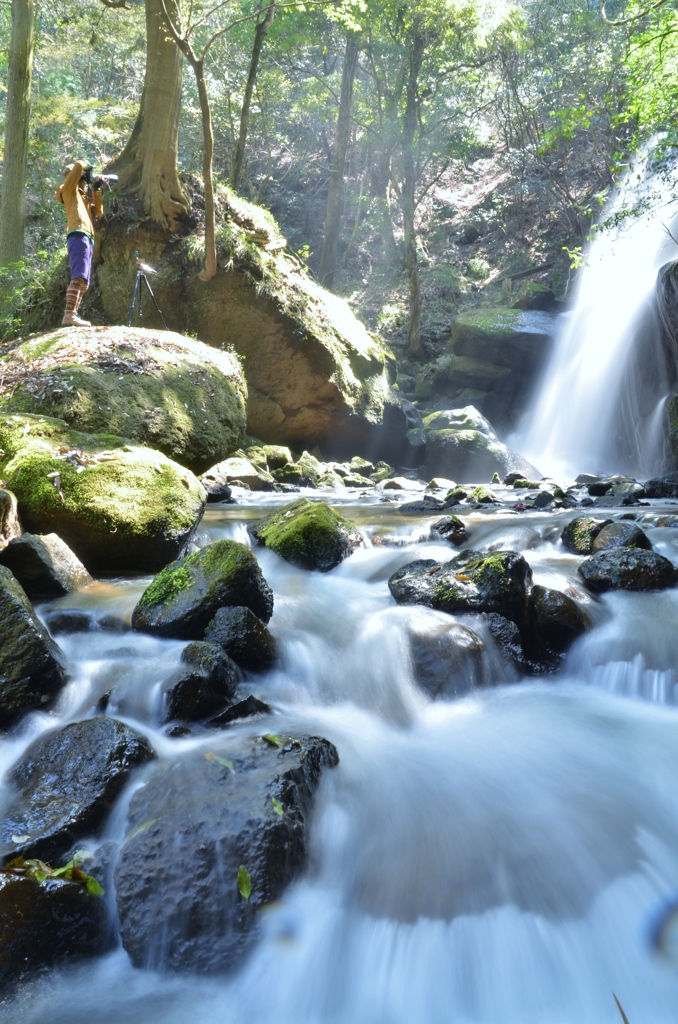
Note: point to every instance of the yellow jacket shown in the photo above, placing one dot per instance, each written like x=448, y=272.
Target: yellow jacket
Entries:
x=79, y=210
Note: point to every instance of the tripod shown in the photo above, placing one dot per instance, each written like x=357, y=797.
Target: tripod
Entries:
x=137, y=295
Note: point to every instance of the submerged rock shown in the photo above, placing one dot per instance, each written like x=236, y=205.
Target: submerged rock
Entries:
x=32, y=667
x=628, y=569
x=9, y=517
x=44, y=566
x=119, y=507
x=204, y=687
x=44, y=924
x=244, y=637
x=447, y=658
x=579, y=534
x=184, y=598
x=249, y=707
x=621, y=535
x=558, y=619
x=461, y=444
x=158, y=388
x=309, y=534
x=473, y=581
x=65, y=786
x=207, y=817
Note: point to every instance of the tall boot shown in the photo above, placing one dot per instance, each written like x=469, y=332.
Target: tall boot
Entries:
x=74, y=294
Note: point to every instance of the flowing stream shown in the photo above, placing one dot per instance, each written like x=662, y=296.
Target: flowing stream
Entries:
x=495, y=859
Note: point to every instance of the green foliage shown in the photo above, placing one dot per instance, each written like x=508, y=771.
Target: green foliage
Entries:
x=41, y=872
x=277, y=807
x=244, y=883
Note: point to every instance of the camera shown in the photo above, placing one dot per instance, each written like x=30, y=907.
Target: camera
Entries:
x=97, y=181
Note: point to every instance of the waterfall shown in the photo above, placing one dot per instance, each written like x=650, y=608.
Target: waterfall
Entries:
x=599, y=407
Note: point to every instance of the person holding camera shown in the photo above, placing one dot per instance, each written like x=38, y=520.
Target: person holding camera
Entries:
x=83, y=204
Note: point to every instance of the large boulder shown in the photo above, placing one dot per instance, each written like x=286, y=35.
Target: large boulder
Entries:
x=44, y=566
x=461, y=444
x=184, y=598
x=628, y=569
x=308, y=534
x=663, y=486
x=202, y=818
x=473, y=581
x=43, y=924
x=244, y=637
x=579, y=534
x=174, y=394
x=623, y=534
x=9, y=517
x=315, y=375
x=120, y=507
x=65, y=785
x=203, y=686
x=32, y=667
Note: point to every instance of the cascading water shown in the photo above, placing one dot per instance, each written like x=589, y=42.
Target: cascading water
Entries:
x=600, y=405
x=495, y=858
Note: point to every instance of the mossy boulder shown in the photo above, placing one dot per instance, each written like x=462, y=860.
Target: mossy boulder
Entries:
x=172, y=393
x=120, y=507
x=628, y=569
x=461, y=444
x=184, y=598
x=473, y=581
x=579, y=534
x=512, y=338
x=32, y=667
x=309, y=534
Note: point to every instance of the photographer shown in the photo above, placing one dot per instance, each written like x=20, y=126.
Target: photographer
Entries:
x=83, y=204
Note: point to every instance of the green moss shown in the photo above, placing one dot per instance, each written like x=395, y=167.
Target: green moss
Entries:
x=169, y=583
x=309, y=534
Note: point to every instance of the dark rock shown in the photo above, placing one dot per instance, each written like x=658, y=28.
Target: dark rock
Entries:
x=70, y=620
x=218, y=492
x=184, y=598
x=473, y=581
x=630, y=487
x=43, y=924
x=543, y=499
x=586, y=478
x=177, y=879
x=244, y=637
x=450, y=528
x=599, y=487
x=178, y=732
x=206, y=685
x=113, y=623
x=44, y=566
x=557, y=618
x=662, y=486
x=511, y=478
x=621, y=535
x=628, y=569
x=507, y=636
x=429, y=504
x=447, y=659
x=308, y=534
x=32, y=667
x=9, y=517
x=579, y=534
x=66, y=784
x=611, y=500
x=247, y=708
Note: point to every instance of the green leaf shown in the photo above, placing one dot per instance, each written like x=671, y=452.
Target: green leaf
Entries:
x=244, y=882
x=272, y=739
x=142, y=827
x=93, y=887
x=277, y=806
x=226, y=763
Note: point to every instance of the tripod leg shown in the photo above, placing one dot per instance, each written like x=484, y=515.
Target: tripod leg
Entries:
x=137, y=290
x=155, y=302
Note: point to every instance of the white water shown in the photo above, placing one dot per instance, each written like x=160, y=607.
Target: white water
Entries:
x=587, y=415
x=491, y=860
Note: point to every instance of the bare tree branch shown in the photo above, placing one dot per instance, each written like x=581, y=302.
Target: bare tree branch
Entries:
x=632, y=17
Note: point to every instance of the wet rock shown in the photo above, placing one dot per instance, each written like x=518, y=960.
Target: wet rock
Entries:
x=205, y=686
x=429, y=504
x=584, y=479
x=450, y=528
x=236, y=470
x=44, y=924
x=662, y=486
x=218, y=492
x=447, y=658
x=44, y=566
x=614, y=485
x=621, y=535
x=628, y=569
x=630, y=487
x=113, y=623
x=543, y=499
x=482, y=495
x=511, y=479
x=9, y=517
x=65, y=786
x=557, y=618
x=308, y=534
x=177, y=879
x=120, y=507
x=32, y=667
x=244, y=637
x=473, y=581
x=70, y=620
x=184, y=598
x=579, y=534
x=462, y=444
x=247, y=708
x=507, y=636
x=401, y=483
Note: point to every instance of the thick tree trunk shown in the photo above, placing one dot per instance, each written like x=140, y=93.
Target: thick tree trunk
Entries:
x=408, y=201
x=207, y=155
x=13, y=200
x=148, y=163
x=260, y=34
x=328, y=256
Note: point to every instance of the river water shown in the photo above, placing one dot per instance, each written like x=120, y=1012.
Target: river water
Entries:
x=495, y=859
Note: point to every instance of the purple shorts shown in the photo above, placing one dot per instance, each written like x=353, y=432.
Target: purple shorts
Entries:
x=80, y=248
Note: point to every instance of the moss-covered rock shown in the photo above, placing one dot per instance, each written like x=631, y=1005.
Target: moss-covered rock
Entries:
x=579, y=534
x=32, y=667
x=504, y=337
x=184, y=598
x=120, y=507
x=174, y=394
x=461, y=444
x=308, y=534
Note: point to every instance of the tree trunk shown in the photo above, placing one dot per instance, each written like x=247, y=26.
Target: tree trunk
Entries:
x=207, y=154
x=148, y=163
x=13, y=200
x=408, y=202
x=260, y=34
x=381, y=186
x=328, y=256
